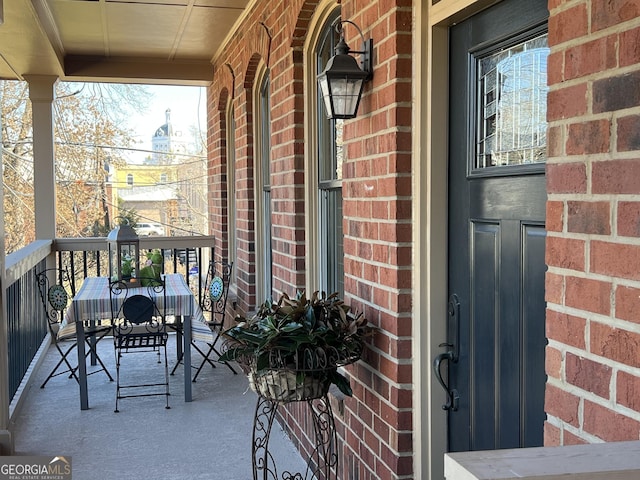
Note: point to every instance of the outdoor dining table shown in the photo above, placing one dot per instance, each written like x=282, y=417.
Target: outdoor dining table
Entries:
x=93, y=302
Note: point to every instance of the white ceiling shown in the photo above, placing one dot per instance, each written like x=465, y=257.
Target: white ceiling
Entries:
x=147, y=41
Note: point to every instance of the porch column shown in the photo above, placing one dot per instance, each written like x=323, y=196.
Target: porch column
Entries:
x=41, y=93
x=6, y=441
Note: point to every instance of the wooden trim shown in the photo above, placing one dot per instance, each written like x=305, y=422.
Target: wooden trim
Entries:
x=596, y=461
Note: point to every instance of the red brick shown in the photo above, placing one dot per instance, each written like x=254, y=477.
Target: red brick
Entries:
x=555, y=72
x=589, y=138
x=566, y=329
x=628, y=304
x=609, y=425
x=630, y=47
x=566, y=177
x=555, y=141
x=555, y=216
x=616, y=344
x=565, y=253
x=629, y=132
x=590, y=57
x=628, y=220
x=561, y=404
x=396, y=373
x=567, y=102
x=553, y=362
x=616, y=176
x=588, y=294
x=554, y=288
x=616, y=93
x=551, y=435
x=567, y=25
x=588, y=375
x=589, y=217
x=607, y=13
x=615, y=259
x=628, y=390
x=569, y=438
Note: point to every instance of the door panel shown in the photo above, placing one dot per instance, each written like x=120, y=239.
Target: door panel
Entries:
x=496, y=225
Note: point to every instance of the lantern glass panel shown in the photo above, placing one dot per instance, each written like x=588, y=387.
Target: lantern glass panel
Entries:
x=124, y=253
x=346, y=96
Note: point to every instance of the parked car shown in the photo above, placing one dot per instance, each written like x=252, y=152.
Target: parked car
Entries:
x=189, y=254
x=144, y=229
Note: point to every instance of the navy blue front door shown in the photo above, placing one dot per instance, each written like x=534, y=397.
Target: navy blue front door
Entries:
x=497, y=153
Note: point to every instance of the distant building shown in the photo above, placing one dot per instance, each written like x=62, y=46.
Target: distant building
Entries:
x=169, y=187
x=170, y=141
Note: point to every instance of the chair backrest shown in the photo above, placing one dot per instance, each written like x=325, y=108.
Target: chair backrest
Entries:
x=56, y=291
x=134, y=305
x=216, y=290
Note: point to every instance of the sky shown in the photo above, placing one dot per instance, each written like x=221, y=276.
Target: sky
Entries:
x=186, y=104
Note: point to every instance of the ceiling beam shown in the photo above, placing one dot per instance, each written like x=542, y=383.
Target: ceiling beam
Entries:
x=138, y=70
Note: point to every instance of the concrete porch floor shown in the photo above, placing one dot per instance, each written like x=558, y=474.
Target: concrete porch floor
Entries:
x=209, y=438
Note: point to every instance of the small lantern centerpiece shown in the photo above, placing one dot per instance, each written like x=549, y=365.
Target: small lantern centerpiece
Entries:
x=124, y=248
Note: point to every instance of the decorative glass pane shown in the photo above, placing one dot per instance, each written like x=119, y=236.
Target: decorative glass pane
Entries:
x=512, y=105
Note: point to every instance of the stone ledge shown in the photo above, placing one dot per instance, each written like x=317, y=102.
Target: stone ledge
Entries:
x=598, y=461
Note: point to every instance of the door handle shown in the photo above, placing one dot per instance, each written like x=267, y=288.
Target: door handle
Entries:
x=452, y=354
x=452, y=395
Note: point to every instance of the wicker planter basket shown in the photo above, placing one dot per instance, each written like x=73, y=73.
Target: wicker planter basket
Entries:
x=285, y=385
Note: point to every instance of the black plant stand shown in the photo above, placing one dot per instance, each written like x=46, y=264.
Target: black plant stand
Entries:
x=324, y=456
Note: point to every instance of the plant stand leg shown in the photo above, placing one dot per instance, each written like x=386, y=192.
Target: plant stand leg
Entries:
x=264, y=467
x=324, y=457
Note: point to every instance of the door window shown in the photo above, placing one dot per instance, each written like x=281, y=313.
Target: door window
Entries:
x=512, y=105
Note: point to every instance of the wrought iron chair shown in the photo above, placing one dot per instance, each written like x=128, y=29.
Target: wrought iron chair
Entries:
x=213, y=301
x=56, y=290
x=139, y=325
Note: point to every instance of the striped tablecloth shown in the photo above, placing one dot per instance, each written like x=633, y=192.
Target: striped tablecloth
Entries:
x=93, y=302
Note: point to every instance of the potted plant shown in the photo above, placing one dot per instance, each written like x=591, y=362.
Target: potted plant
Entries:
x=293, y=348
x=152, y=269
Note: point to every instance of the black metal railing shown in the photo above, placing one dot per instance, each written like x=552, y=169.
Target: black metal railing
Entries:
x=26, y=326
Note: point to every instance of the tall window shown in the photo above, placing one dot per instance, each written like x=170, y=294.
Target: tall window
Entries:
x=330, y=157
x=130, y=179
x=231, y=187
x=263, y=185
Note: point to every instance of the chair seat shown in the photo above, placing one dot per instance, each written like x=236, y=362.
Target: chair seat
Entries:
x=141, y=340
x=89, y=330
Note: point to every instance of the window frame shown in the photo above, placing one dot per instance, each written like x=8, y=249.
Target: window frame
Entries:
x=324, y=265
x=262, y=172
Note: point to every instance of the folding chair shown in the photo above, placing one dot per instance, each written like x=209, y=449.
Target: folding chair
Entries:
x=56, y=291
x=213, y=301
x=139, y=325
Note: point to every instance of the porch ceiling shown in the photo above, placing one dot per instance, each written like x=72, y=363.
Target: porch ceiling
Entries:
x=145, y=41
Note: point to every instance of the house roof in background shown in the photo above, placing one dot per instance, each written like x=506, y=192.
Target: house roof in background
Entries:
x=148, y=194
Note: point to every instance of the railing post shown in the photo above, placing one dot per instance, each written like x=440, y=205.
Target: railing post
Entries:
x=6, y=441
x=41, y=93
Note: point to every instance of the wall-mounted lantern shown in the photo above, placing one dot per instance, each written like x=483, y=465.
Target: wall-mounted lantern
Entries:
x=343, y=78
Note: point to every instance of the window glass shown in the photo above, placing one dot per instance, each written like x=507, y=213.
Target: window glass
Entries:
x=231, y=188
x=512, y=98
x=264, y=117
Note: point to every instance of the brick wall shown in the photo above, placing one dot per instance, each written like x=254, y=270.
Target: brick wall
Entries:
x=593, y=222
x=375, y=426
